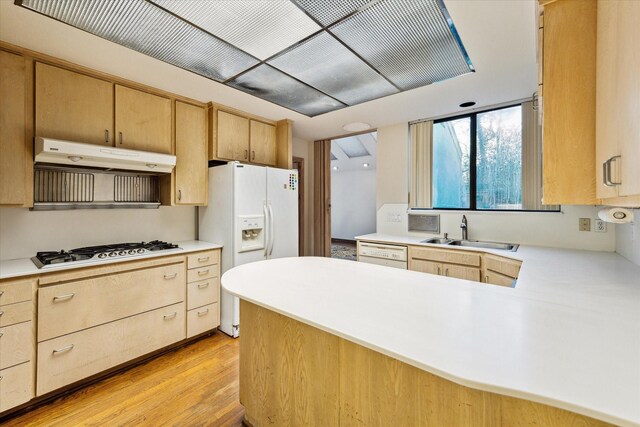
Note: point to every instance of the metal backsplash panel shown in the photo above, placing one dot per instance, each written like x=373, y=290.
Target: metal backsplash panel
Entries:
x=429, y=223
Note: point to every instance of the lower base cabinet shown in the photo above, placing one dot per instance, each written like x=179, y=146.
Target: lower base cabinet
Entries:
x=70, y=358
x=16, y=385
x=202, y=319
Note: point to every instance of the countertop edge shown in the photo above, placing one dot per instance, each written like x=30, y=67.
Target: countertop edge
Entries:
x=25, y=267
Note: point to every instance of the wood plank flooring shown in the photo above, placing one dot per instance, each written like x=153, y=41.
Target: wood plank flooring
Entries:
x=196, y=385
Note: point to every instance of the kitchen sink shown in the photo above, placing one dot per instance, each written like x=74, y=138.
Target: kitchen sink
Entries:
x=437, y=241
x=487, y=245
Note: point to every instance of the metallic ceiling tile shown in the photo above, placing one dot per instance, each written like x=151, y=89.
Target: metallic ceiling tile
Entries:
x=324, y=63
x=412, y=42
x=268, y=83
x=261, y=28
x=329, y=11
x=144, y=27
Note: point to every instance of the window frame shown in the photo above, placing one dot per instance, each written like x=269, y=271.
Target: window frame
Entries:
x=473, y=157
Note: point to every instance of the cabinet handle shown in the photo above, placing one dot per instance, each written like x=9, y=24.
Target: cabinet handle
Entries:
x=606, y=172
x=203, y=285
x=120, y=135
x=1, y=334
x=203, y=259
x=1, y=313
x=202, y=313
x=202, y=273
x=438, y=270
x=246, y=153
x=253, y=154
x=106, y=136
x=179, y=194
x=170, y=276
x=170, y=316
x=63, y=349
x=486, y=279
x=446, y=272
x=1, y=377
x=63, y=297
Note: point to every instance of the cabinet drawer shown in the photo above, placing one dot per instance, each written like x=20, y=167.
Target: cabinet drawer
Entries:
x=16, y=386
x=443, y=255
x=16, y=313
x=203, y=292
x=202, y=273
x=505, y=266
x=494, y=278
x=16, y=344
x=202, y=319
x=202, y=259
x=15, y=291
x=70, y=358
x=70, y=307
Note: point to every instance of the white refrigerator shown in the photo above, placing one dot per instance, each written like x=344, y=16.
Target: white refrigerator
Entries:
x=253, y=212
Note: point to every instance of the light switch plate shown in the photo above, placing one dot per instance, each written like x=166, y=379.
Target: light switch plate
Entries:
x=600, y=226
x=584, y=224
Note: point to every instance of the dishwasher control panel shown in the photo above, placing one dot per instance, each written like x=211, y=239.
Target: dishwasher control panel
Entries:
x=390, y=252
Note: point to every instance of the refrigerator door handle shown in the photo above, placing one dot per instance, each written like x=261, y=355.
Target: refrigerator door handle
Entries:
x=271, y=233
x=267, y=229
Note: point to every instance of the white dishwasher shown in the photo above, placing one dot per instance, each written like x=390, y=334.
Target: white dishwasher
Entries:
x=377, y=253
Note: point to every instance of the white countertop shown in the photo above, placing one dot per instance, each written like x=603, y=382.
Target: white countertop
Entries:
x=567, y=335
x=26, y=267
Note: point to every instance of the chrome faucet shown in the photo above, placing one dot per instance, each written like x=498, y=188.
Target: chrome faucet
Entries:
x=464, y=228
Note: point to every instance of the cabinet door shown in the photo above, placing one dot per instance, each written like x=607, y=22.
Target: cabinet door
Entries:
x=143, y=121
x=73, y=107
x=263, y=143
x=494, y=278
x=232, y=137
x=424, y=266
x=628, y=78
x=460, y=272
x=191, y=155
x=12, y=129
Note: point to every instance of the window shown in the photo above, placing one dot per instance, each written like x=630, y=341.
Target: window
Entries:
x=488, y=160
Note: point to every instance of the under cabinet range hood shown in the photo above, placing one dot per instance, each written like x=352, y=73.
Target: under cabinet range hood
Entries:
x=58, y=152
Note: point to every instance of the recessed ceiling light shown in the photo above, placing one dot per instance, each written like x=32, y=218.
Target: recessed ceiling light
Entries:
x=467, y=104
x=356, y=127
x=335, y=168
x=366, y=165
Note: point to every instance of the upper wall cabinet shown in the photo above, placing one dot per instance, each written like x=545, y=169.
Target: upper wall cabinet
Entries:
x=73, y=106
x=262, y=143
x=234, y=135
x=191, y=170
x=16, y=166
x=618, y=103
x=567, y=39
x=143, y=121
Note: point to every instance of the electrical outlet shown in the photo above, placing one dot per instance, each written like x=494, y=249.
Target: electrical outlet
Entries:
x=584, y=224
x=600, y=226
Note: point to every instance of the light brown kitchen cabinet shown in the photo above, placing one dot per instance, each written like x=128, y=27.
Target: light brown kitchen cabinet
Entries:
x=191, y=171
x=500, y=270
x=568, y=98
x=618, y=103
x=203, y=292
x=262, y=143
x=143, y=121
x=449, y=263
x=16, y=165
x=17, y=342
x=73, y=106
x=232, y=136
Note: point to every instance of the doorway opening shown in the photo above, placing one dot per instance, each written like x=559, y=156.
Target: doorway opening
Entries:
x=353, y=192
x=298, y=164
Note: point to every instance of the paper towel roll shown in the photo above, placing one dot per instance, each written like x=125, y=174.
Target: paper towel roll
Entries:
x=616, y=215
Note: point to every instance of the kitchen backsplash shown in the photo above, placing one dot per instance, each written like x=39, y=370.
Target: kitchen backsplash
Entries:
x=554, y=229
x=25, y=232
x=628, y=239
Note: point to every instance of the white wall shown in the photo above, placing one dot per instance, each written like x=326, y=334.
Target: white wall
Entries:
x=628, y=239
x=353, y=203
x=25, y=232
x=532, y=228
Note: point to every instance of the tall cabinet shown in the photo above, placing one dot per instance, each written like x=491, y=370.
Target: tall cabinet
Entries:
x=618, y=103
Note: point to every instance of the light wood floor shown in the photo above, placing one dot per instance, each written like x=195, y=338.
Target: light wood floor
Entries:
x=196, y=385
